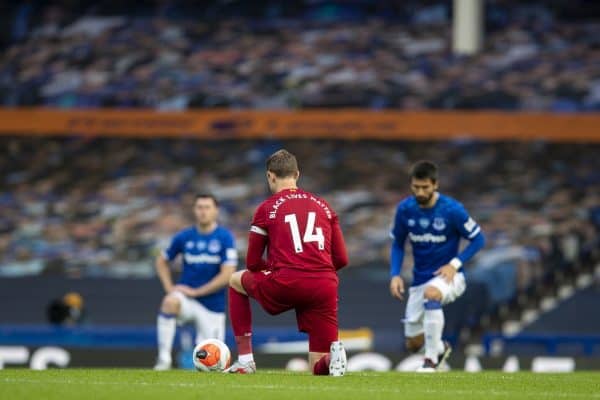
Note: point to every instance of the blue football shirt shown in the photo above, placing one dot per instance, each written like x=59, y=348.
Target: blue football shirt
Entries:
x=202, y=257
x=434, y=233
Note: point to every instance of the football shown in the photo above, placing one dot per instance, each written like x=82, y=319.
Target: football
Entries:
x=211, y=355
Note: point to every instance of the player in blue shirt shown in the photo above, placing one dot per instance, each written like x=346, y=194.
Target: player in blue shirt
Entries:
x=434, y=224
x=209, y=257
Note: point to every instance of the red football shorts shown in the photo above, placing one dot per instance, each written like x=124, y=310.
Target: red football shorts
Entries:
x=315, y=300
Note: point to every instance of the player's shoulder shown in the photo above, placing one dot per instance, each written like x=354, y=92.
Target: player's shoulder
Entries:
x=450, y=203
x=451, y=207
x=262, y=209
x=186, y=232
x=407, y=204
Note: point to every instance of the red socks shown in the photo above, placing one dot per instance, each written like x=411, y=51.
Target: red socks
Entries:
x=322, y=366
x=241, y=320
x=240, y=314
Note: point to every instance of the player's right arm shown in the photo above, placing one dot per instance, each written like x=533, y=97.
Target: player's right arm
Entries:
x=163, y=269
x=257, y=241
x=398, y=234
x=164, y=273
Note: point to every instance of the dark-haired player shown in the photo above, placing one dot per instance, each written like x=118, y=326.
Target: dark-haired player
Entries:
x=209, y=257
x=434, y=224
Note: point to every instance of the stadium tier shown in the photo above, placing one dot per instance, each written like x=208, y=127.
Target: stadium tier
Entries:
x=177, y=56
x=456, y=142
x=98, y=208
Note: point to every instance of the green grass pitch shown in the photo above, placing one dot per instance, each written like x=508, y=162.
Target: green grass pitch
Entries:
x=131, y=384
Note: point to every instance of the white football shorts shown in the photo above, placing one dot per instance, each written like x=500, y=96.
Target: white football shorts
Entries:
x=209, y=324
x=415, y=310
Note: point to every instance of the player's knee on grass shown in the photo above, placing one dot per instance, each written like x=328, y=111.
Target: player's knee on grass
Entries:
x=318, y=363
x=432, y=293
x=415, y=344
x=170, y=305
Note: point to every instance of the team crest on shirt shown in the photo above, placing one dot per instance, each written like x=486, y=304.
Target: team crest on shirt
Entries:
x=424, y=222
x=189, y=244
x=411, y=222
x=439, y=224
x=201, y=245
x=214, y=246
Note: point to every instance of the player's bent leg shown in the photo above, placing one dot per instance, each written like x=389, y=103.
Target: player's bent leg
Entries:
x=318, y=362
x=322, y=328
x=432, y=293
x=413, y=320
x=333, y=363
x=415, y=344
x=235, y=282
x=321, y=323
x=447, y=293
x=165, y=327
x=170, y=304
x=433, y=325
x=209, y=324
x=240, y=315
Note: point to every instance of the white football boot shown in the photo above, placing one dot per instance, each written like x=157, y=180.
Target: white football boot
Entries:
x=162, y=365
x=427, y=367
x=337, y=363
x=240, y=368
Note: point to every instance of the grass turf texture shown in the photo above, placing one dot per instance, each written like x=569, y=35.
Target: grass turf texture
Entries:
x=280, y=385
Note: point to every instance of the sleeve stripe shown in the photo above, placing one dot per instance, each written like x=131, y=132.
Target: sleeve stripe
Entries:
x=392, y=236
x=474, y=233
x=258, y=230
x=230, y=263
x=231, y=255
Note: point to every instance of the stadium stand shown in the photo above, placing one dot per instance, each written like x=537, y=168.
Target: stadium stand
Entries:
x=173, y=56
x=83, y=207
x=73, y=208
x=566, y=317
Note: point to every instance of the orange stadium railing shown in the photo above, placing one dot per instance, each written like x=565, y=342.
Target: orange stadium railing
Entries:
x=342, y=124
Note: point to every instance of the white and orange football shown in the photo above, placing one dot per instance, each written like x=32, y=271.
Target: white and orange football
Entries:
x=211, y=355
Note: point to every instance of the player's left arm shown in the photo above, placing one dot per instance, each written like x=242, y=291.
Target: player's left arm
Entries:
x=470, y=230
x=229, y=255
x=339, y=254
x=258, y=240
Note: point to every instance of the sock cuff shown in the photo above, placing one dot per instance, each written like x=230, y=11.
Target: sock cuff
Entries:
x=246, y=358
x=166, y=315
x=432, y=305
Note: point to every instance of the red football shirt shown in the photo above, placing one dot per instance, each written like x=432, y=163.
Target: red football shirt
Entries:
x=300, y=231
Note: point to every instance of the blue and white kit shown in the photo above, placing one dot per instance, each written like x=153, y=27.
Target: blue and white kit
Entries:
x=435, y=235
x=203, y=254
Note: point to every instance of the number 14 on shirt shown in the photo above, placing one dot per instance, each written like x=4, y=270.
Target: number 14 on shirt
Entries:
x=311, y=234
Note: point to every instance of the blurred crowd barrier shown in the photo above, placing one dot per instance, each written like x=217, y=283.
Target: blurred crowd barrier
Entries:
x=340, y=124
